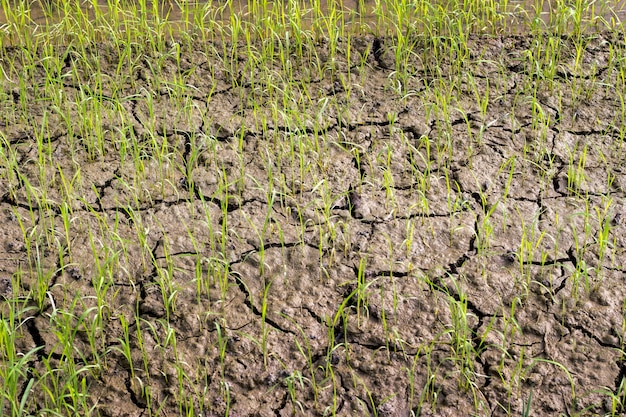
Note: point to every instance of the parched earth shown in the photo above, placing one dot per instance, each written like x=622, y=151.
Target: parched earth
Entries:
x=350, y=239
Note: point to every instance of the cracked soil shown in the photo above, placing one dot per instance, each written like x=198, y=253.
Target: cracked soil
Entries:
x=380, y=251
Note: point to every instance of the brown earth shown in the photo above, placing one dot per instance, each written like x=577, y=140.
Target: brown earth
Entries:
x=415, y=252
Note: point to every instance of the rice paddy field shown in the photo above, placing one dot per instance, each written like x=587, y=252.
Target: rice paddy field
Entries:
x=316, y=208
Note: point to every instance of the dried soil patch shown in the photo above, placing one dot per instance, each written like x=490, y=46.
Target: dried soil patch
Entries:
x=349, y=242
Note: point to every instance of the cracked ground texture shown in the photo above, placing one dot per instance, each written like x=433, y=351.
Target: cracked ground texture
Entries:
x=346, y=239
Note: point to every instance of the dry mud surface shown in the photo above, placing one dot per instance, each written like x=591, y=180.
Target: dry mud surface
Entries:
x=383, y=250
